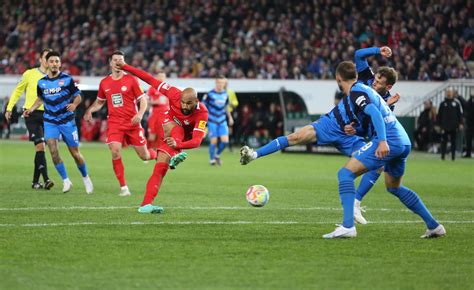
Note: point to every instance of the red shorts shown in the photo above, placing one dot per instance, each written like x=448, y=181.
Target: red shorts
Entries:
x=135, y=136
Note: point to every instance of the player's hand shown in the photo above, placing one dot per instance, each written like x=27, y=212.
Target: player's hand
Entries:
x=349, y=129
x=171, y=142
x=137, y=119
x=71, y=107
x=119, y=64
x=382, y=150
x=88, y=116
x=393, y=99
x=8, y=115
x=26, y=113
x=461, y=127
x=231, y=122
x=385, y=51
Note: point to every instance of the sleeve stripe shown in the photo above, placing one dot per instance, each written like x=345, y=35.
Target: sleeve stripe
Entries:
x=159, y=87
x=141, y=96
x=200, y=130
x=99, y=98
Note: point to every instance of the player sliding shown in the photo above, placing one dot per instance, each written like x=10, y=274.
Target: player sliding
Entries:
x=61, y=97
x=122, y=92
x=362, y=103
x=184, y=128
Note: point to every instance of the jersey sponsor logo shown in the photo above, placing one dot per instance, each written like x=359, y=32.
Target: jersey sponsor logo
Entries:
x=51, y=91
x=123, y=88
x=117, y=100
x=202, y=125
x=177, y=121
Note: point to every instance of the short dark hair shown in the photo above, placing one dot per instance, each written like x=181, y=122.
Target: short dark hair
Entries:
x=389, y=73
x=45, y=50
x=116, y=52
x=346, y=70
x=53, y=53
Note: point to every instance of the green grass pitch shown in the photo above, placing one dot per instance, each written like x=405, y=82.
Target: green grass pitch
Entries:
x=210, y=238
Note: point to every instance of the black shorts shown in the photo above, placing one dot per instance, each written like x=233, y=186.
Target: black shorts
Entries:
x=35, y=126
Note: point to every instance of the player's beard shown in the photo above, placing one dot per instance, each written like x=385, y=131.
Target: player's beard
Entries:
x=186, y=111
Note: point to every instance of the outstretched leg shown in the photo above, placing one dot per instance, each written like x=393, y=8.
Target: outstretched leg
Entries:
x=154, y=183
x=303, y=136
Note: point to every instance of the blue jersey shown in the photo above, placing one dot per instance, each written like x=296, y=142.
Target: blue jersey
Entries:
x=56, y=94
x=360, y=97
x=365, y=74
x=216, y=103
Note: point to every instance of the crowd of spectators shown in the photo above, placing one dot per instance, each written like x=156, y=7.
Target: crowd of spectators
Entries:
x=431, y=40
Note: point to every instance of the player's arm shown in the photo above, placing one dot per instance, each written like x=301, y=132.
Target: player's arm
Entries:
x=72, y=106
x=229, y=114
x=16, y=94
x=198, y=134
x=96, y=106
x=143, y=75
x=143, y=106
x=35, y=106
x=362, y=100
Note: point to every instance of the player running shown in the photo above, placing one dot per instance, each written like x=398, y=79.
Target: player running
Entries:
x=122, y=92
x=34, y=123
x=217, y=102
x=184, y=128
x=60, y=96
x=159, y=106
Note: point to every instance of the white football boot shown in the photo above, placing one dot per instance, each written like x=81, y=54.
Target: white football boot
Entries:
x=358, y=213
x=438, y=232
x=124, y=191
x=67, y=185
x=247, y=155
x=88, y=184
x=342, y=232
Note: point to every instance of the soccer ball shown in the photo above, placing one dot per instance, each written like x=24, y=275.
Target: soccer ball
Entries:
x=257, y=195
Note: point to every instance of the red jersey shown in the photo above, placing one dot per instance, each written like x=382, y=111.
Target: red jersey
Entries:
x=122, y=96
x=163, y=103
x=195, y=121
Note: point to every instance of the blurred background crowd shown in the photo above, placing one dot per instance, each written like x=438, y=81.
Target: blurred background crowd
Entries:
x=431, y=40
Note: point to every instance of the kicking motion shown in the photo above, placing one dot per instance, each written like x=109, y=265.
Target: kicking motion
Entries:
x=184, y=128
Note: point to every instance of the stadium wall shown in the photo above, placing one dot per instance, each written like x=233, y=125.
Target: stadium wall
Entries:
x=317, y=94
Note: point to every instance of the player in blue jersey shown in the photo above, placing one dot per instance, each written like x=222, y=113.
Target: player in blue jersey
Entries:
x=381, y=82
x=217, y=103
x=60, y=96
x=389, y=148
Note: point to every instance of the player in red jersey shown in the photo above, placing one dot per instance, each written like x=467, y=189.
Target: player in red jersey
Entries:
x=184, y=127
x=122, y=92
x=159, y=106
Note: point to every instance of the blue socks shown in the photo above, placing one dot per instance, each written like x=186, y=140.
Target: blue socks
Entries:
x=347, y=195
x=366, y=183
x=411, y=200
x=83, y=169
x=212, y=151
x=221, y=147
x=61, y=170
x=277, y=144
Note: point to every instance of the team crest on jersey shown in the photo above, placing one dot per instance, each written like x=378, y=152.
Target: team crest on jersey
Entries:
x=186, y=122
x=117, y=100
x=177, y=121
x=61, y=83
x=124, y=88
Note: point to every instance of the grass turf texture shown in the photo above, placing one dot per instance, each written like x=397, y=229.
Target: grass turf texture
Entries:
x=210, y=238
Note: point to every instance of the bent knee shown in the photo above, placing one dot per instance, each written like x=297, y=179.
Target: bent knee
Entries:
x=345, y=174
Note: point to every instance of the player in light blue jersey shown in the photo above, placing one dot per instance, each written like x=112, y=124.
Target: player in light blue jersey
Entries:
x=382, y=82
x=389, y=147
x=217, y=103
x=60, y=96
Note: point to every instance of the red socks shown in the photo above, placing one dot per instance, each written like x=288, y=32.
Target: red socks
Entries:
x=154, y=183
x=119, y=171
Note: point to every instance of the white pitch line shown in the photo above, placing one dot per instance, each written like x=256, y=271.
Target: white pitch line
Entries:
x=214, y=223
x=67, y=208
